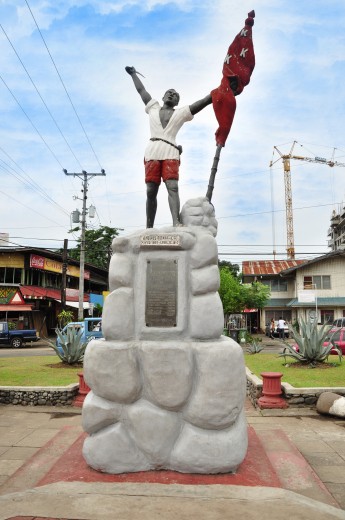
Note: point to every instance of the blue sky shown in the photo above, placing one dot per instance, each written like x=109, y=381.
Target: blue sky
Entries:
x=296, y=93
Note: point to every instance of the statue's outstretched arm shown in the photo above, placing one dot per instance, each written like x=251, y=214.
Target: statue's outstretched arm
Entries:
x=145, y=96
x=199, y=105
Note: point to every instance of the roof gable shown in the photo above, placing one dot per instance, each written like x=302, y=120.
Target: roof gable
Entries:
x=268, y=267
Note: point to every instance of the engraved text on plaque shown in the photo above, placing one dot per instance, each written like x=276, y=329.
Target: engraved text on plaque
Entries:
x=161, y=293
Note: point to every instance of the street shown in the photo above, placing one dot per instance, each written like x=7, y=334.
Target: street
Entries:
x=40, y=348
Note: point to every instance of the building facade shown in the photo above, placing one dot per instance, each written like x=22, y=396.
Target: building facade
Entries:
x=313, y=289
x=31, y=287
x=336, y=232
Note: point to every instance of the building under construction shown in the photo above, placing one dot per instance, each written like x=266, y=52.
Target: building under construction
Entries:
x=337, y=230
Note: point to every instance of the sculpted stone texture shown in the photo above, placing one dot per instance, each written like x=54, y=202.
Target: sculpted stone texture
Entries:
x=167, y=373
x=118, y=314
x=111, y=369
x=166, y=397
x=331, y=403
x=98, y=413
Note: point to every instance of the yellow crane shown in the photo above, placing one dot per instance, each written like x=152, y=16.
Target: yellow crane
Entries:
x=288, y=192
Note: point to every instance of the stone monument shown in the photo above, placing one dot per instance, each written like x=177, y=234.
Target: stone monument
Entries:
x=167, y=389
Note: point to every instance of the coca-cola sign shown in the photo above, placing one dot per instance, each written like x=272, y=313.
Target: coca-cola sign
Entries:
x=37, y=261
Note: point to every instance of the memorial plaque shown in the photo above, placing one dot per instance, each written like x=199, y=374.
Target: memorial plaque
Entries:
x=161, y=240
x=161, y=293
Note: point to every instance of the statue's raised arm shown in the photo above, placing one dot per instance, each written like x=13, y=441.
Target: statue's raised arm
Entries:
x=145, y=96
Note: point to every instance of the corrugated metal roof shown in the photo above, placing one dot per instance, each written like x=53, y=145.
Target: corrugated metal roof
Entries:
x=266, y=267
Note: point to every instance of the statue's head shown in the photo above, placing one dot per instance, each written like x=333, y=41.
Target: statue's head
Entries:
x=171, y=97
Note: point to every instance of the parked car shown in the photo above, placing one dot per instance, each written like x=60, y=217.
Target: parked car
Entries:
x=337, y=336
x=340, y=322
x=91, y=328
x=16, y=338
x=276, y=333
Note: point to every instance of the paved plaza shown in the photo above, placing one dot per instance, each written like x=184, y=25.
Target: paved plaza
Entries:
x=295, y=466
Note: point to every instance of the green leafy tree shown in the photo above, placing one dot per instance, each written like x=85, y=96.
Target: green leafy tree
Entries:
x=230, y=291
x=255, y=295
x=236, y=296
x=97, y=245
x=64, y=317
x=233, y=268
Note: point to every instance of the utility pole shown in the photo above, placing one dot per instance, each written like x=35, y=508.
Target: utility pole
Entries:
x=84, y=176
x=64, y=273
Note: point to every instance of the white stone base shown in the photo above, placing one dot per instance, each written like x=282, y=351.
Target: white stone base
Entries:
x=177, y=405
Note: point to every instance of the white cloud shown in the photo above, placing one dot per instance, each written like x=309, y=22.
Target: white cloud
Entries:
x=294, y=93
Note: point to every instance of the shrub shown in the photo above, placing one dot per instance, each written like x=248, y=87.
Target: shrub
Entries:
x=72, y=347
x=310, y=342
x=254, y=347
x=65, y=317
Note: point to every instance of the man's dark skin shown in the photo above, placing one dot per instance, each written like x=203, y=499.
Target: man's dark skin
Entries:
x=170, y=101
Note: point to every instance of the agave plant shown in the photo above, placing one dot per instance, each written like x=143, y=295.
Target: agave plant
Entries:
x=254, y=348
x=72, y=347
x=310, y=341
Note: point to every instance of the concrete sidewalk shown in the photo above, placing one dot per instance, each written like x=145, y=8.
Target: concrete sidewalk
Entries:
x=301, y=472
x=306, y=452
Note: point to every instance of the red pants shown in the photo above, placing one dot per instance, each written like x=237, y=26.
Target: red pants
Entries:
x=156, y=170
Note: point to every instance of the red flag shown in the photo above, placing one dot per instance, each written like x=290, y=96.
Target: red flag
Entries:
x=238, y=66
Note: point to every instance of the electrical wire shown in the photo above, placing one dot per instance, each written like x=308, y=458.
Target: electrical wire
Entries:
x=63, y=84
x=31, y=122
x=41, y=98
x=29, y=183
x=28, y=207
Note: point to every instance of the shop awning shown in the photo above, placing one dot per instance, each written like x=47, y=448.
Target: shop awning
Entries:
x=41, y=293
x=15, y=308
x=75, y=305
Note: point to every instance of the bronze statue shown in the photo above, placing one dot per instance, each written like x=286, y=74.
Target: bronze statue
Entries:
x=162, y=155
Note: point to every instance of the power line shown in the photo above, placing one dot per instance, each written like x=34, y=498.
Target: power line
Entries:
x=27, y=207
x=63, y=84
x=29, y=183
x=40, y=96
x=30, y=121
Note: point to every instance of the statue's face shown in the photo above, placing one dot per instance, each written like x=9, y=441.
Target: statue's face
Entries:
x=171, y=97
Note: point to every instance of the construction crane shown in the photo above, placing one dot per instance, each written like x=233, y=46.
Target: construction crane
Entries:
x=288, y=192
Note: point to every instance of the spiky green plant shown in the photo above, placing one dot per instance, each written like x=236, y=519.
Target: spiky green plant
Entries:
x=310, y=342
x=254, y=347
x=72, y=345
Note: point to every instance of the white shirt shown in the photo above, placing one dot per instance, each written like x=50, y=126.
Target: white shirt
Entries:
x=281, y=324
x=158, y=150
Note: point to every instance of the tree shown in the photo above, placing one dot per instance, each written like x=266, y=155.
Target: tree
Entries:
x=256, y=295
x=236, y=296
x=97, y=245
x=230, y=292
x=233, y=268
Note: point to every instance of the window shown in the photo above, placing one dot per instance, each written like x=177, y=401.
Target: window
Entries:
x=317, y=282
x=276, y=285
x=10, y=275
x=327, y=316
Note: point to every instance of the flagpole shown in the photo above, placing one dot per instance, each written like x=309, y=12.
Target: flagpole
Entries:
x=213, y=172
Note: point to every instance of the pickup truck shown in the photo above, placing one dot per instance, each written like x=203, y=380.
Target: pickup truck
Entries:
x=91, y=327
x=16, y=338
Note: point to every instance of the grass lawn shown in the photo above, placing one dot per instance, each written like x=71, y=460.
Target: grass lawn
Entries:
x=326, y=374
x=35, y=371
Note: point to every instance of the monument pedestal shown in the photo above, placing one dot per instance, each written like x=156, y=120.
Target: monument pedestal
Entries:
x=167, y=389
